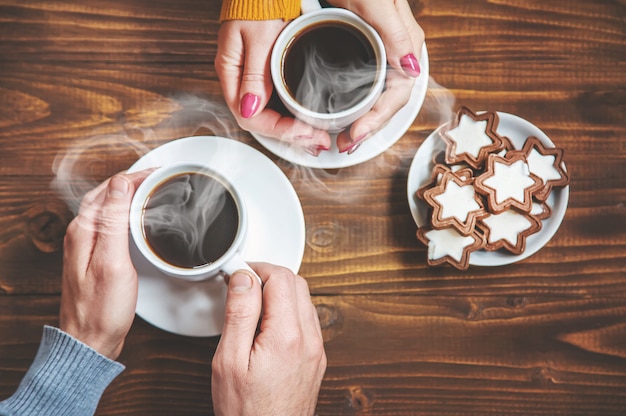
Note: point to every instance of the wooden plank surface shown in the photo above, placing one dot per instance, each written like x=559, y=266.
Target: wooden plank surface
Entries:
x=101, y=82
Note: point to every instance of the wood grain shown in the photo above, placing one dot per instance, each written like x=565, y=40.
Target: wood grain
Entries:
x=87, y=88
x=390, y=355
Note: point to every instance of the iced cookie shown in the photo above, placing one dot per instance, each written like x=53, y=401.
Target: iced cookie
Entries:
x=508, y=182
x=509, y=230
x=482, y=186
x=455, y=203
x=471, y=137
x=547, y=164
x=435, y=177
x=449, y=246
x=541, y=210
x=438, y=170
x=507, y=146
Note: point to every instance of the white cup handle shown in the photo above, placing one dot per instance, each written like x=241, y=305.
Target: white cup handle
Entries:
x=237, y=263
x=307, y=6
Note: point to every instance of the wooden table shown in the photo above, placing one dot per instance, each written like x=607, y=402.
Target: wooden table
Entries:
x=545, y=336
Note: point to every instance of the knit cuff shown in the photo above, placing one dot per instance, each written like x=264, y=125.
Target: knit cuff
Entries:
x=67, y=378
x=259, y=9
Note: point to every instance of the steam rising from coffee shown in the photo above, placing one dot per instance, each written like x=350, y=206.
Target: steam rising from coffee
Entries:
x=90, y=160
x=331, y=184
x=329, y=67
x=328, y=87
x=190, y=219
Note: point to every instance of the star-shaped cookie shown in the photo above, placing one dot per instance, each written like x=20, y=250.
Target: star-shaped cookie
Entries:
x=471, y=137
x=455, y=203
x=547, y=164
x=507, y=182
x=447, y=245
x=508, y=229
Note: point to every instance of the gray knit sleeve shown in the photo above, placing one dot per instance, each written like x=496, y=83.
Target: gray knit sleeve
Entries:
x=67, y=378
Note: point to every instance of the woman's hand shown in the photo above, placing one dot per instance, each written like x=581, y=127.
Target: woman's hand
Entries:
x=403, y=39
x=242, y=65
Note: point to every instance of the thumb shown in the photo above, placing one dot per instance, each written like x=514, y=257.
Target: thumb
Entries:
x=391, y=23
x=243, y=310
x=256, y=82
x=112, y=237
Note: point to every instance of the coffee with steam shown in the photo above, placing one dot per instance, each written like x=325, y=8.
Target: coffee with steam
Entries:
x=190, y=220
x=329, y=67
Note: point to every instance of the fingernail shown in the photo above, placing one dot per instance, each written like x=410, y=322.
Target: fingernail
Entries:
x=249, y=105
x=118, y=187
x=315, y=150
x=410, y=65
x=240, y=282
x=353, y=148
x=354, y=145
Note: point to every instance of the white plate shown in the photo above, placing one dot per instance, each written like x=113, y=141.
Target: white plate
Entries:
x=518, y=130
x=372, y=147
x=276, y=233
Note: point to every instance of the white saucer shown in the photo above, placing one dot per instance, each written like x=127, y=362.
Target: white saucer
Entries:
x=372, y=147
x=518, y=130
x=276, y=233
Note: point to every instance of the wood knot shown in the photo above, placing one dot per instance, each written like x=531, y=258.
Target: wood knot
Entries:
x=543, y=376
x=474, y=311
x=46, y=224
x=516, y=301
x=331, y=320
x=325, y=237
x=359, y=399
x=20, y=109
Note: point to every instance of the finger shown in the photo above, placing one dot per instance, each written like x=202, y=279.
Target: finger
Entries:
x=391, y=23
x=229, y=63
x=256, y=80
x=113, y=219
x=242, y=313
x=80, y=236
x=112, y=239
x=92, y=201
x=280, y=300
x=395, y=96
x=136, y=178
x=81, y=233
x=90, y=206
x=415, y=30
x=308, y=314
x=270, y=123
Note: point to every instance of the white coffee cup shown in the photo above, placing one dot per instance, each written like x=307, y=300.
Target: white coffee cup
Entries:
x=330, y=120
x=151, y=205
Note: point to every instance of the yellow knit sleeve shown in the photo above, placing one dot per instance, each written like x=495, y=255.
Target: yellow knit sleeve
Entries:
x=259, y=9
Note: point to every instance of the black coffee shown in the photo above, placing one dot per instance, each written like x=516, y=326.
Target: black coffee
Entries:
x=190, y=220
x=329, y=66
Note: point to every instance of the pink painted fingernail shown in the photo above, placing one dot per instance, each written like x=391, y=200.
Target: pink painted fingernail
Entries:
x=354, y=148
x=410, y=65
x=316, y=150
x=249, y=105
